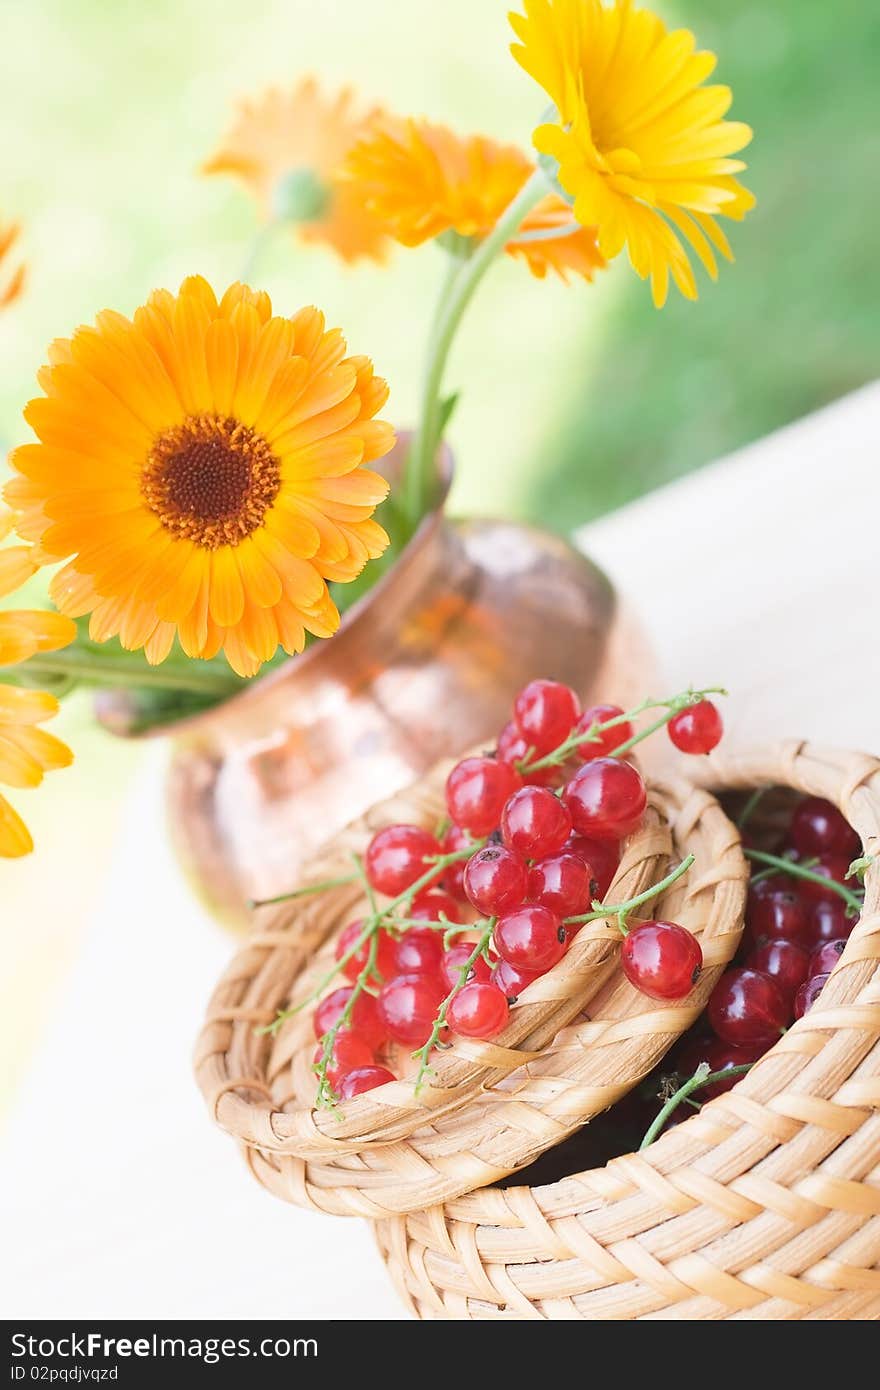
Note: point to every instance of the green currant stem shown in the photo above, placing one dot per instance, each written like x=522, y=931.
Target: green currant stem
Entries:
x=622, y=910
x=423, y=1054
x=751, y=805
x=327, y=1097
x=701, y=1077
x=758, y=856
x=310, y=888
x=131, y=669
x=461, y=290
x=771, y=873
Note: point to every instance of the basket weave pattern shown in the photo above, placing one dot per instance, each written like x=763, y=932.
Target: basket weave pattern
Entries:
x=764, y=1205
x=553, y=1067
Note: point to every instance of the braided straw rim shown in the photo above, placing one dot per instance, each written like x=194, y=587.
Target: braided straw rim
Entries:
x=530, y=1095
x=764, y=1205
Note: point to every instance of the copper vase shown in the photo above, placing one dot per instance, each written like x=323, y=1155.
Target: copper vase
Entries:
x=424, y=666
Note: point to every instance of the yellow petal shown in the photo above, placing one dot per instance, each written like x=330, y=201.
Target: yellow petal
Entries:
x=16, y=568
x=15, y=838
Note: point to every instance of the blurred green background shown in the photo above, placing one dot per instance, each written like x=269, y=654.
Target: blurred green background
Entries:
x=575, y=399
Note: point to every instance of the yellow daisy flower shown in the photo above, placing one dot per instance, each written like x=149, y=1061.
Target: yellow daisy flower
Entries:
x=26, y=754
x=201, y=470
x=13, y=286
x=641, y=145
x=287, y=146
x=421, y=180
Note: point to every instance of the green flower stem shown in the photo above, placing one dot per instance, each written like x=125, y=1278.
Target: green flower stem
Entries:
x=424, y=1053
x=548, y=233
x=459, y=293
x=260, y=243
x=774, y=861
x=701, y=1077
x=119, y=668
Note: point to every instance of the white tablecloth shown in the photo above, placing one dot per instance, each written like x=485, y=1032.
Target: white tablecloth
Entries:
x=119, y=1198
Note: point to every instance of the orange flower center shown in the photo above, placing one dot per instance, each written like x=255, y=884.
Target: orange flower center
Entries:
x=210, y=480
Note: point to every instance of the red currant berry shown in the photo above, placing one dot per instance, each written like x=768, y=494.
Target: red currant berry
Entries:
x=606, y=799
x=829, y=921
x=513, y=749
x=349, y=1051
x=826, y=956
x=808, y=994
x=419, y=952
x=562, y=883
x=833, y=867
x=364, y=1079
x=495, y=879
x=456, y=958
x=661, y=959
x=545, y=713
x=818, y=828
x=534, y=823
x=365, y=1020
x=479, y=1010
x=604, y=744
x=511, y=981
x=530, y=938
x=721, y=1056
x=746, y=1007
x=408, y=1006
x=454, y=840
x=780, y=915
x=396, y=858
x=384, y=962
x=697, y=729
x=784, y=961
x=476, y=790
x=431, y=906
x=602, y=858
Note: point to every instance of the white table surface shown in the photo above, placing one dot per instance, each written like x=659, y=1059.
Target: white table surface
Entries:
x=118, y=1198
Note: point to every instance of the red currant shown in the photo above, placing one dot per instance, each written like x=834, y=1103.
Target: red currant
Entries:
x=534, y=823
x=562, y=883
x=779, y=915
x=746, y=1007
x=511, y=981
x=476, y=790
x=602, y=858
x=513, y=749
x=432, y=905
x=826, y=956
x=696, y=729
x=349, y=1051
x=456, y=958
x=818, y=828
x=408, y=1006
x=364, y=1079
x=365, y=1020
x=396, y=858
x=495, y=879
x=531, y=938
x=833, y=867
x=829, y=921
x=384, y=962
x=784, y=961
x=605, y=743
x=454, y=840
x=479, y=1010
x=545, y=713
x=808, y=994
x=661, y=959
x=720, y=1056
x=419, y=952
x=606, y=799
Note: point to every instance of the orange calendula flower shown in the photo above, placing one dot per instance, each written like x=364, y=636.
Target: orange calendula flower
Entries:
x=26, y=754
x=24, y=633
x=201, y=470
x=11, y=288
x=640, y=143
x=287, y=147
x=422, y=180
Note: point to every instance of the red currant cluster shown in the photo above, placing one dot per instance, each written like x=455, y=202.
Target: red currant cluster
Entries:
x=491, y=901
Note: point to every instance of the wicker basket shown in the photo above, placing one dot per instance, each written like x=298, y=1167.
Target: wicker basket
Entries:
x=492, y=1106
x=764, y=1205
